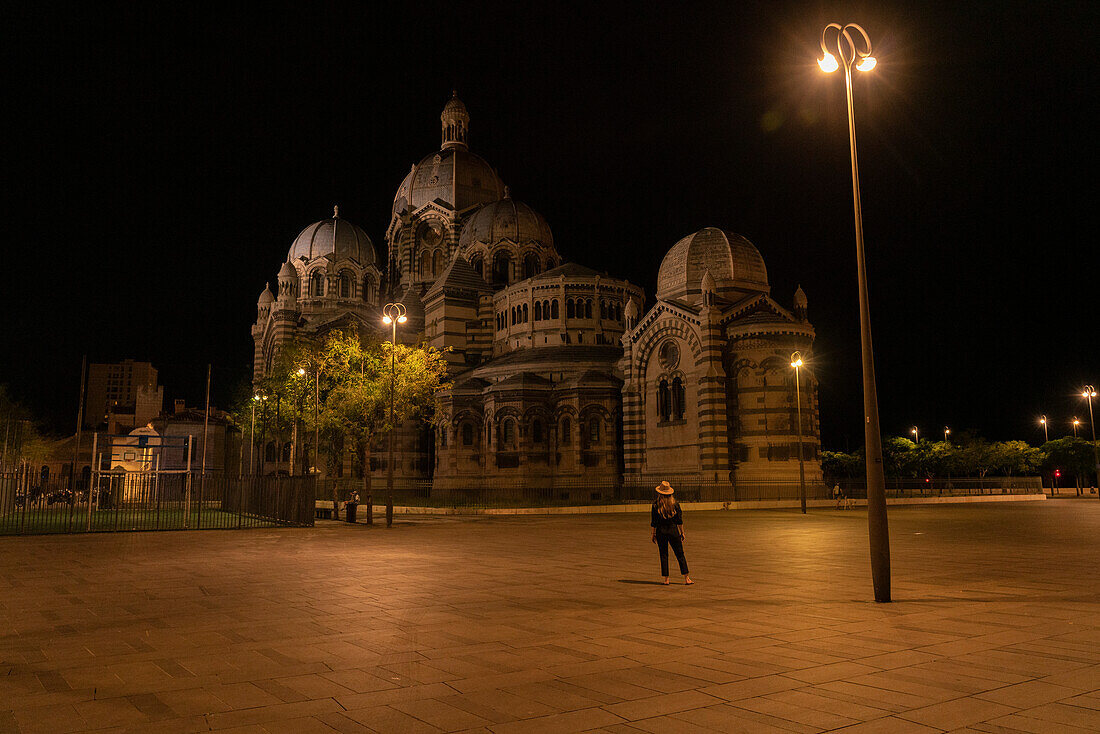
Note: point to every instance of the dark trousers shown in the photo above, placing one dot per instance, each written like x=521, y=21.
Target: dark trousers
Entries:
x=663, y=542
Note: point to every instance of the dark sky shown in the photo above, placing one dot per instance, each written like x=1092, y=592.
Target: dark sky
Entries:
x=158, y=164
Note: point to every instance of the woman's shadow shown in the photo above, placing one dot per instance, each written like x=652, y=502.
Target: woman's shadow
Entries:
x=636, y=581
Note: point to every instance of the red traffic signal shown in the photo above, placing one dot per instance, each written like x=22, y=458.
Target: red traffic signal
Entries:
x=1057, y=472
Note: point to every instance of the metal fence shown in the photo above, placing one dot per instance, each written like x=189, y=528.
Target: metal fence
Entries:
x=117, y=501
x=508, y=494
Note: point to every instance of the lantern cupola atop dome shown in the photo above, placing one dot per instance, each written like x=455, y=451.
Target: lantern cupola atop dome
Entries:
x=456, y=123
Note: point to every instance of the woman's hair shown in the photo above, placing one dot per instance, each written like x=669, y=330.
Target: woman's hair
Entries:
x=666, y=505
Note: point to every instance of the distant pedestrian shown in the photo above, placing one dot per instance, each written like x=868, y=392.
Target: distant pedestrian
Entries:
x=838, y=495
x=352, y=505
x=668, y=529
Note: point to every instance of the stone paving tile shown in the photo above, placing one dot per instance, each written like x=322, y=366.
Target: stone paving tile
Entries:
x=988, y=621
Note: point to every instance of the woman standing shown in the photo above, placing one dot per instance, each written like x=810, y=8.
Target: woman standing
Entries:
x=668, y=529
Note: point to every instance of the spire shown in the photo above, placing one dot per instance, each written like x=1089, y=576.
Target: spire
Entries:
x=456, y=122
x=800, y=304
x=507, y=192
x=335, y=211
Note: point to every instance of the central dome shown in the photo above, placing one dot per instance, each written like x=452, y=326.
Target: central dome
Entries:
x=454, y=178
x=732, y=261
x=335, y=237
x=506, y=219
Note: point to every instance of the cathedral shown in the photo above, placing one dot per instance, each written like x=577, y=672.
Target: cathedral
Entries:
x=562, y=377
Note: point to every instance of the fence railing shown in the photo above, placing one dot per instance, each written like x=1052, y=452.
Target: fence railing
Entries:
x=116, y=501
x=422, y=493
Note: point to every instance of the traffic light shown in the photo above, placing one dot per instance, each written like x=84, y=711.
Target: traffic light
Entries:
x=1057, y=472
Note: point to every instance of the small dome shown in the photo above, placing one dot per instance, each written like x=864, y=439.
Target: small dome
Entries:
x=288, y=271
x=732, y=261
x=267, y=297
x=708, y=282
x=506, y=219
x=800, y=299
x=337, y=238
x=631, y=310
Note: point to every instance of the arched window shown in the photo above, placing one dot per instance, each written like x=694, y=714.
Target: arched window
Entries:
x=536, y=431
x=566, y=431
x=425, y=265
x=502, y=267
x=530, y=265
x=549, y=263
x=477, y=265
x=618, y=312
x=554, y=309
x=594, y=431
x=437, y=262
x=678, y=398
x=316, y=284
x=286, y=451
x=603, y=309
x=513, y=315
x=508, y=432
x=546, y=309
x=588, y=308
x=269, y=452
x=526, y=311
x=570, y=312
x=442, y=438
x=345, y=284
x=368, y=289
x=538, y=311
x=663, y=401
x=467, y=434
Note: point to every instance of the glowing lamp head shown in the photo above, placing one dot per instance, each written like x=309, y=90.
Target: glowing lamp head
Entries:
x=402, y=319
x=301, y=372
x=1043, y=421
x=256, y=398
x=866, y=63
x=797, y=362
x=387, y=320
x=828, y=64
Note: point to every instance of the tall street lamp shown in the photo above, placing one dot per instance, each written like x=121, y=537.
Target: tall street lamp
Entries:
x=1088, y=394
x=1075, y=424
x=916, y=434
x=392, y=315
x=946, y=431
x=252, y=438
x=1043, y=423
x=796, y=362
x=878, y=529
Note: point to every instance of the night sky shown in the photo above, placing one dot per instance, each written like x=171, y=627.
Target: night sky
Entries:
x=159, y=163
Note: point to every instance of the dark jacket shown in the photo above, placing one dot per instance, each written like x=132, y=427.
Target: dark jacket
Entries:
x=670, y=526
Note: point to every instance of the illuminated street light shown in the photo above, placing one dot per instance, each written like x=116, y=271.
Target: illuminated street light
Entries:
x=796, y=362
x=1075, y=424
x=1043, y=422
x=878, y=530
x=1088, y=394
x=946, y=431
x=916, y=434
x=392, y=315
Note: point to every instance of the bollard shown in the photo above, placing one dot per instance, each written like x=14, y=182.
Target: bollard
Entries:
x=370, y=510
x=389, y=511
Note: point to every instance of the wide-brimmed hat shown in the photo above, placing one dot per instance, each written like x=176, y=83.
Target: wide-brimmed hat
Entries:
x=664, y=488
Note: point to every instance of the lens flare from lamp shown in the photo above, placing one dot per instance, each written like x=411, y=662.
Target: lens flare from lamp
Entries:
x=828, y=64
x=402, y=319
x=796, y=363
x=866, y=63
x=387, y=320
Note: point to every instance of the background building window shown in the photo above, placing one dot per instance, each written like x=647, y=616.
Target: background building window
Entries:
x=536, y=431
x=664, y=412
x=678, y=399
x=316, y=284
x=508, y=434
x=594, y=431
x=467, y=434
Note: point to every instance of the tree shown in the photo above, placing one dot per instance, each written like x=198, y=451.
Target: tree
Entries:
x=367, y=376
x=1070, y=454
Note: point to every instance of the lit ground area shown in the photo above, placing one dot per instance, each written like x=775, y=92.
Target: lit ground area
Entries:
x=554, y=624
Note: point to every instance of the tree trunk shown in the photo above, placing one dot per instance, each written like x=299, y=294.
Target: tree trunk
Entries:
x=335, y=502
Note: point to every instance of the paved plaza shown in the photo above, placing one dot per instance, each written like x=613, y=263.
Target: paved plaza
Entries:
x=557, y=624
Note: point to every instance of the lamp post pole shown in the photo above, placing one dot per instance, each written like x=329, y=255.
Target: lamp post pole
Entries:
x=1089, y=394
x=796, y=362
x=1043, y=422
x=916, y=434
x=1075, y=424
x=392, y=315
x=877, y=526
x=252, y=438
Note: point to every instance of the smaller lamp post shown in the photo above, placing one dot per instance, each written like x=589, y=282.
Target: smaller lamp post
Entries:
x=946, y=432
x=916, y=434
x=1088, y=394
x=1075, y=424
x=796, y=362
x=1043, y=423
x=252, y=438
